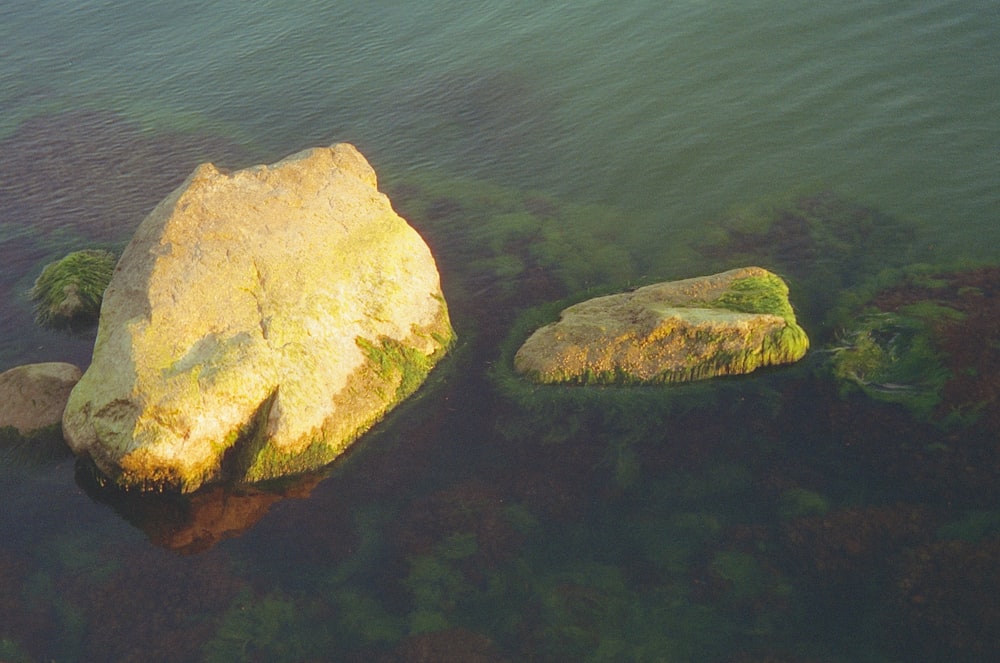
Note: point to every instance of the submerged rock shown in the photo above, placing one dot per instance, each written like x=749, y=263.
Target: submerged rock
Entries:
x=34, y=395
x=725, y=324
x=68, y=292
x=257, y=324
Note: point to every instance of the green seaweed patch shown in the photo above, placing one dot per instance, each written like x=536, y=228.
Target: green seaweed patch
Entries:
x=891, y=358
x=973, y=526
x=437, y=586
x=68, y=292
x=362, y=620
x=799, y=502
x=397, y=363
x=742, y=573
x=758, y=294
x=270, y=627
x=12, y=652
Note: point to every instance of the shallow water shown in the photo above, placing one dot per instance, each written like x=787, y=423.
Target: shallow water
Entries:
x=758, y=520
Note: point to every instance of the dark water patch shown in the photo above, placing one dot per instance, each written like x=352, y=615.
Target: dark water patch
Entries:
x=95, y=176
x=485, y=122
x=154, y=606
x=946, y=596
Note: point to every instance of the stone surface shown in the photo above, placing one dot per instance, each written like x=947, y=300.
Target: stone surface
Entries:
x=34, y=395
x=257, y=324
x=725, y=324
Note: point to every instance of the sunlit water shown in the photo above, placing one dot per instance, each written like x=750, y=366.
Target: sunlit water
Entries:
x=669, y=114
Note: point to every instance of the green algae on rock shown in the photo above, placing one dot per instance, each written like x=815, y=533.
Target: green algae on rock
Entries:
x=68, y=292
x=730, y=323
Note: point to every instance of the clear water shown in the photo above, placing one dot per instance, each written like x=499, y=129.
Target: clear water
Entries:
x=668, y=113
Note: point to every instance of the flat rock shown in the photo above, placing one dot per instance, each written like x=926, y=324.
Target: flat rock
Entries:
x=35, y=395
x=257, y=324
x=724, y=324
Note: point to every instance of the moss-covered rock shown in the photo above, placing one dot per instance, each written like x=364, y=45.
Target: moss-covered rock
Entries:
x=68, y=292
x=725, y=324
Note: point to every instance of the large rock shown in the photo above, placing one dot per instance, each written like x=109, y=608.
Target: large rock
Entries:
x=34, y=395
x=725, y=324
x=257, y=324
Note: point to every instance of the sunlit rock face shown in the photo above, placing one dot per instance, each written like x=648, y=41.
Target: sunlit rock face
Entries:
x=257, y=324
x=725, y=324
x=34, y=395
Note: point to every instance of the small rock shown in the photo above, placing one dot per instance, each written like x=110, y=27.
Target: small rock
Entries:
x=725, y=324
x=34, y=395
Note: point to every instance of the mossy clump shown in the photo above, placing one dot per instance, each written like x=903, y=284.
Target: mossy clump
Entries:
x=800, y=502
x=765, y=293
x=271, y=627
x=68, y=292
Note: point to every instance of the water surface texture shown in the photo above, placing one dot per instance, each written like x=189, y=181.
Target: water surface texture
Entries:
x=544, y=150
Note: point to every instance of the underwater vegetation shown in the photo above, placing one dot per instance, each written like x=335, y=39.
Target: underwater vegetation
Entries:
x=916, y=377
x=68, y=292
x=807, y=515
x=821, y=243
x=522, y=247
x=890, y=358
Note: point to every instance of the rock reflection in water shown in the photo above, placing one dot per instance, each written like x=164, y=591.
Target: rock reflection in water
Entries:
x=194, y=523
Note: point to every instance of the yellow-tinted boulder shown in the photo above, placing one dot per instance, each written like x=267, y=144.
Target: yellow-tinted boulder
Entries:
x=257, y=324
